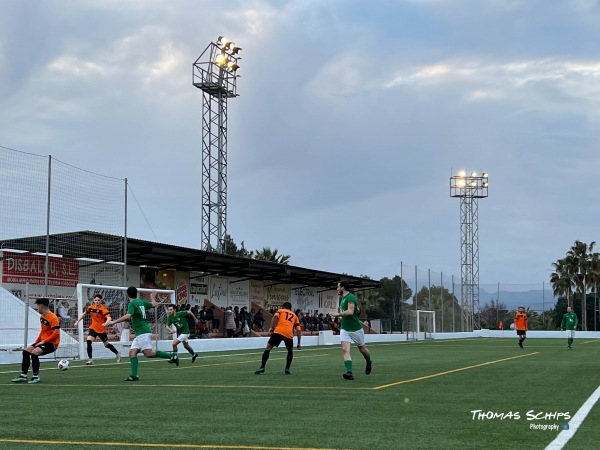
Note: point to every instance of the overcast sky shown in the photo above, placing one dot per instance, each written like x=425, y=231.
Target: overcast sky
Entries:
x=352, y=116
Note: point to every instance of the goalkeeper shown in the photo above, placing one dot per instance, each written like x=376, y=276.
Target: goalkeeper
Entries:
x=569, y=323
x=136, y=311
x=99, y=314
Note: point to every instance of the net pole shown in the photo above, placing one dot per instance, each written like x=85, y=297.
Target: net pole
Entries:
x=442, y=297
x=125, y=238
x=26, y=319
x=80, y=324
x=47, y=263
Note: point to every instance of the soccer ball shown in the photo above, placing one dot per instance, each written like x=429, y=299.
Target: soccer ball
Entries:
x=63, y=364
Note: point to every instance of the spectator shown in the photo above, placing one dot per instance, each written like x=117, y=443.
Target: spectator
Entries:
x=301, y=318
x=62, y=311
x=236, y=315
x=230, y=321
x=191, y=320
x=335, y=325
x=244, y=322
x=258, y=321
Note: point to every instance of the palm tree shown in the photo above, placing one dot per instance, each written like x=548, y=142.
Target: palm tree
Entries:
x=266, y=254
x=582, y=264
x=561, y=279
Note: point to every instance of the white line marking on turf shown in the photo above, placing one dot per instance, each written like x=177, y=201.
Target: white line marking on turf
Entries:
x=565, y=435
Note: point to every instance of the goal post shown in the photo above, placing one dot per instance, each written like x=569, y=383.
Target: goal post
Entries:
x=115, y=299
x=421, y=325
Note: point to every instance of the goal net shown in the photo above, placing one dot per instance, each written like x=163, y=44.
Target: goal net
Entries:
x=121, y=334
x=421, y=325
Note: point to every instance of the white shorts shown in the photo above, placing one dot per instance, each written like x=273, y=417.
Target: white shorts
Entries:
x=357, y=337
x=571, y=334
x=183, y=337
x=142, y=342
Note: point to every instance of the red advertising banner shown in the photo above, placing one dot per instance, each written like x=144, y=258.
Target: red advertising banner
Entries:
x=21, y=269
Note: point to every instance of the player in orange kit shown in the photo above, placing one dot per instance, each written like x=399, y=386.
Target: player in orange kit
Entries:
x=100, y=316
x=282, y=326
x=521, y=325
x=46, y=342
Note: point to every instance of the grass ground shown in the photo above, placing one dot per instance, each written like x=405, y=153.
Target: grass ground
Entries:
x=421, y=395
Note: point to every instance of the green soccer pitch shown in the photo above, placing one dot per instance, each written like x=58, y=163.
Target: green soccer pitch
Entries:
x=464, y=394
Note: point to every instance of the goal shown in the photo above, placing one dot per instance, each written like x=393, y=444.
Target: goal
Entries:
x=121, y=334
x=421, y=325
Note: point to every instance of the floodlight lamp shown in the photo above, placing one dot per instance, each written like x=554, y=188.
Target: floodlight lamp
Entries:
x=235, y=50
x=460, y=183
x=221, y=60
x=229, y=45
x=462, y=173
x=473, y=183
x=232, y=66
x=484, y=184
x=222, y=41
x=484, y=175
x=473, y=174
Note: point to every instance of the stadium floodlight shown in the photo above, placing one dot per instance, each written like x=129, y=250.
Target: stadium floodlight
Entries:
x=215, y=73
x=469, y=189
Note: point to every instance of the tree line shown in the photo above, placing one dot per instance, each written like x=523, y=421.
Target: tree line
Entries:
x=574, y=280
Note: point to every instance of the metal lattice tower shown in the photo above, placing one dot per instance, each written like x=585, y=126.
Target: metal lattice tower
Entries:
x=215, y=73
x=469, y=189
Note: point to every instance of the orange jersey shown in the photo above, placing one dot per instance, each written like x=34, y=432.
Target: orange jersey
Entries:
x=50, y=329
x=287, y=322
x=98, y=314
x=520, y=321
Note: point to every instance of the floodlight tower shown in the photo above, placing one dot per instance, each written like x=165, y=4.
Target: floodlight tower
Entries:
x=469, y=188
x=215, y=73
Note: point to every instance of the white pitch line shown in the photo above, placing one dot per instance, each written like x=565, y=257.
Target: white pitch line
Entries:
x=565, y=435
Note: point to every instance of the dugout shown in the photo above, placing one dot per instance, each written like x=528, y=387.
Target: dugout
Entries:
x=65, y=259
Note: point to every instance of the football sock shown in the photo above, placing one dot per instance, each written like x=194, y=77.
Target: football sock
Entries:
x=191, y=351
x=265, y=358
x=290, y=357
x=111, y=348
x=134, y=366
x=35, y=364
x=89, y=349
x=25, y=362
x=348, y=365
x=162, y=354
x=570, y=341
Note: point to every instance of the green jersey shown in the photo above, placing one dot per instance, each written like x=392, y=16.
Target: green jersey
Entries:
x=137, y=308
x=180, y=322
x=569, y=321
x=350, y=323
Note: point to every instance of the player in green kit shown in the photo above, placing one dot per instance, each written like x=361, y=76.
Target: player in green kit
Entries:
x=136, y=311
x=351, y=329
x=569, y=323
x=181, y=333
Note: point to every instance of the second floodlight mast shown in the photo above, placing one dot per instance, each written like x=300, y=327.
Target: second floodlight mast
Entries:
x=469, y=188
x=215, y=73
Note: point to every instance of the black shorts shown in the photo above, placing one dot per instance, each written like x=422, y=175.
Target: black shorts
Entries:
x=276, y=339
x=47, y=348
x=103, y=336
x=521, y=332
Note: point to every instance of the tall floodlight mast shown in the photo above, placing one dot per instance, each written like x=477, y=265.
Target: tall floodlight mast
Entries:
x=469, y=188
x=215, y=73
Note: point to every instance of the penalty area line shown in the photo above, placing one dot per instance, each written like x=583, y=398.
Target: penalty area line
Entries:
x=154, y=445
x=460, y=369
x=565, y=435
